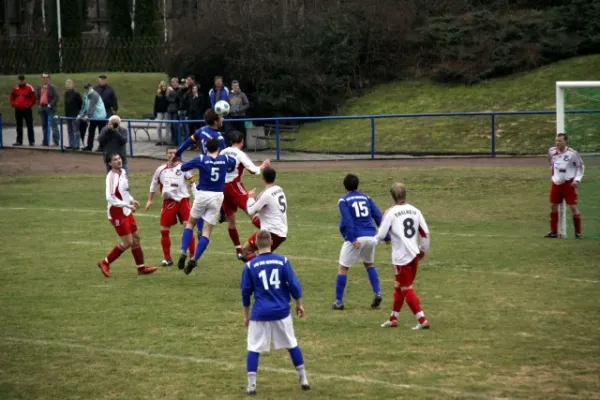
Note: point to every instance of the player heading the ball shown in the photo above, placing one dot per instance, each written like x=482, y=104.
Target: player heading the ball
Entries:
x=271, y=280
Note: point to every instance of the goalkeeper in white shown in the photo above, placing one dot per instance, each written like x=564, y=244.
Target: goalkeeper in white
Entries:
x=403, y=221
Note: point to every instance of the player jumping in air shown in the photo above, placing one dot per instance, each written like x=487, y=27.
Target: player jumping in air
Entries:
x=271, y=279
x=403, y=222
x=235, y=193
x=121, y=206
x=207, y=201
x=356, y=226
x=176, y=201
x=272, y=208
x=566, y=172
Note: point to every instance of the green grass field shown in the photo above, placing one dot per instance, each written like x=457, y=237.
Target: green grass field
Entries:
x=513, y=315
x=520, y=134
x=135, y=91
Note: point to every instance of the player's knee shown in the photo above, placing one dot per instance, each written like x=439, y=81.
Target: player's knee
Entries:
x=367, y=266
x=342, y=270
x=127, y=242
x=554, y=207
x=574, y=210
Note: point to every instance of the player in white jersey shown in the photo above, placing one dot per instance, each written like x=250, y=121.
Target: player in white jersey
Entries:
x=235, y=194
x=403, y=222
x=120, y=209
x=566, y=172
x=271, y=205
x=172, y=183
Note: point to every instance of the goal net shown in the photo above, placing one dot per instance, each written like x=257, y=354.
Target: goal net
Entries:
x=578, y=115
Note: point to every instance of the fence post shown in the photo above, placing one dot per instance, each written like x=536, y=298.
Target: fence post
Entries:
x=60, y=139
x=1, y=138
x=372, y=138
x=178, y=133
x=130, y=138
x=493, y=133
x=277, y=139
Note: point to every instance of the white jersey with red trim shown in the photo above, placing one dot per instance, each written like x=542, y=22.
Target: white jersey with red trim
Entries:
x=172, y=182
x=565, y=165
x=403, y=222
x=117, y=192
x=271, y=205
x=242, y=161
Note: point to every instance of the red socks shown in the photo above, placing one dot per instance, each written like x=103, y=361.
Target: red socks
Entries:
x=414, y=303
x=554, y=222
x=114, y=253
x=397, y=305
x=256, y=222
x=165, y=242
x=192, y=247
x=235, y=237
x=138, y=255
x=577, y=223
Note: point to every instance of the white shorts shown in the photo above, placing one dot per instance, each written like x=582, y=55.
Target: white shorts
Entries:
x=207, y=205
x=350, y=255
x=281, y=332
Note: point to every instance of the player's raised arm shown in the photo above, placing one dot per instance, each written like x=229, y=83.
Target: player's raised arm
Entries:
x=112, y=183
x=194, y=163
x=250, y=166
x=347, y=221
x=424, y=234
x=185, y=145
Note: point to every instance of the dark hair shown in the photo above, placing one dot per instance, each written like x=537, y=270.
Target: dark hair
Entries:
x=110, y=156
x=269, y=175
x=563, y=135
x=102, y=76
x=236, y=137
x=21, y=77
x=210, y=117
x=351, y=182
x=212, y=145
x=235, y=82
x=170, y=148
x=218, y=77
x=192, y=77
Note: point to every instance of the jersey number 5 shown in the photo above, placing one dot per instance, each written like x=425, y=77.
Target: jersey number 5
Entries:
x=214, y=174
x=273, y=279
x=282, y=205
x=361, y=209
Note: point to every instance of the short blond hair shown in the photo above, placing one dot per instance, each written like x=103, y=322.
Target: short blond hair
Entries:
x=263, y=240
x=398, y=192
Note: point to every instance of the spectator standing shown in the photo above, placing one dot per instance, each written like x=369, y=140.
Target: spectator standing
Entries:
x=109, y=98
x=197, y=108
x=113, y=139
x=185, y=96
x=218, y=92
x=173, y=108
x=22, y=98
x=239, y=104
x=47, y=98
x=73, y=103
x=161, y=105
x=92, y=112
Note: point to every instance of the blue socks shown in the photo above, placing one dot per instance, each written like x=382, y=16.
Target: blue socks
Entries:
x=202, y=245
x=296, y=355
x=374, y=279
x=199, y=226
x=252, y=361
x=186, y=238
x=340, y=286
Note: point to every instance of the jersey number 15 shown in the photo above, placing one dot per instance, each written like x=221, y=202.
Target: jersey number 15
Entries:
x=361, y=209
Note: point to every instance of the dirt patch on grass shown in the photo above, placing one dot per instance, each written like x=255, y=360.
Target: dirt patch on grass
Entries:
x=26, y=162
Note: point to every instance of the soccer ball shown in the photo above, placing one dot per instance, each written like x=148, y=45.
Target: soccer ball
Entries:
x=222, y=107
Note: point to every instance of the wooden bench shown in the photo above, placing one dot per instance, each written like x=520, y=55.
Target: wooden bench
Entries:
x=143, y=126
x=287, y=133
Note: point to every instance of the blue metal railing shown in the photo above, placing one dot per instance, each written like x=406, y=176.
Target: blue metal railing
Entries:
x=371, y=118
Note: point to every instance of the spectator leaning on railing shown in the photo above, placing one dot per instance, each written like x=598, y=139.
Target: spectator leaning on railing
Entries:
x=92, y=112
x=73, y=103
x=22, y=98
x=161, y=105
x=47, y=98
x=239, y=104
x=113, y=139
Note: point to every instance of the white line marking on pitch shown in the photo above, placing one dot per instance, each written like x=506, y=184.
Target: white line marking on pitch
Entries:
x=228, y=365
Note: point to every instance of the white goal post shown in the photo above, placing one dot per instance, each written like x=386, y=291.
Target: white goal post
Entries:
x=560, y=128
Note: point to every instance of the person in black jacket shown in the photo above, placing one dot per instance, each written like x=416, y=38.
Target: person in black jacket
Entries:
x=174, y=100
x=73, y=103
x=113, y=139
x=196, y=110
x=109, y=98
x=161, y=108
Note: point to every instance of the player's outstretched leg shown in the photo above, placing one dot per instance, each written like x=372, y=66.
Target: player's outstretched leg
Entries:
x=340, y=287
x=138, y=256
x=298, y=361
x=392, y=321
x=252, y=369
x=234, y=234
x=115, y=253
x=374, y=280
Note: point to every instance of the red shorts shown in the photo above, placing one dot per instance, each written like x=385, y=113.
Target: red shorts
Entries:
x=173, y=210
x=564, y=191
x=234, y=196
x=124, y=225
x=405, y=274
x=275, y=241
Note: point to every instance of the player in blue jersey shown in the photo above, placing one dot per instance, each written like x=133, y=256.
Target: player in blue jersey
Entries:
x=356, y=226
x=271, y=279
x=207, y=200
x=201, y=136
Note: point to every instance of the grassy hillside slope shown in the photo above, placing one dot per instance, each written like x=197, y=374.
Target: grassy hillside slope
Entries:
x=521, y=134
x=135, y=91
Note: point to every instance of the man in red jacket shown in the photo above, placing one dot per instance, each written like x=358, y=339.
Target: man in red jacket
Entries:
x=22, y=98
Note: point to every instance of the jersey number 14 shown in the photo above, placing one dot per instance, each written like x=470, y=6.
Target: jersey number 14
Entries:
x=273, y=279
